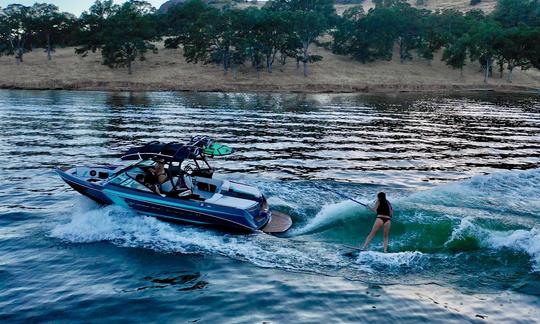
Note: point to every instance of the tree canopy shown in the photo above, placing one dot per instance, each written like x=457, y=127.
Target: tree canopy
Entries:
x=508, y=37
x=230, y=37
x=123, y=33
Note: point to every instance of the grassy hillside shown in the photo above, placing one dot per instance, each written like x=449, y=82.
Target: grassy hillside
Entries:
x=167, y=70
x=462, y=5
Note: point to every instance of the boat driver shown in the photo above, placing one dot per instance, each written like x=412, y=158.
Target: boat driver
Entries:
x=148, y=181
x=158, y=171
x=159, y=177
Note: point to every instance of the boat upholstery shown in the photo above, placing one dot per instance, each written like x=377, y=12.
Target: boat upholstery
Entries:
x=240, y=188
x=221, y=200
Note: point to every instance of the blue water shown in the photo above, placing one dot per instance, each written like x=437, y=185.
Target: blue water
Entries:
x=463, y=173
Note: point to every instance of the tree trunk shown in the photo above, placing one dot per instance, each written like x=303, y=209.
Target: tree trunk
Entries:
x=401, y=58
x=129, y=65
x=49, y=46
x=305, y=59
x=19, y=56
x=225, y=63
x=501, y=68
x=12, y=45
x=268, y=64
x=510, y=69
x=486, y=74
x=234, y=72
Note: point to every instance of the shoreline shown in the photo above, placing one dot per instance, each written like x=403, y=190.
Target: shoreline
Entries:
x=168, y=71
x=266, y=88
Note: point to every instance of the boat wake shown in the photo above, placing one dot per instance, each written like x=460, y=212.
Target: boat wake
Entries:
x=329, y=215
x=127, y=229
x=430, y=232
x=518, y=241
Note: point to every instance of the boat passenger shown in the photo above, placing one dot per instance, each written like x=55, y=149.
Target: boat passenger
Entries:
x=140, y=177
x=148, y=181
x=159, y=172
x=156, y=176
x=384, y=211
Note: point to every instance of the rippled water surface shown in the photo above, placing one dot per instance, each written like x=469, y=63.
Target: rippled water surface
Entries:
x=463, y=173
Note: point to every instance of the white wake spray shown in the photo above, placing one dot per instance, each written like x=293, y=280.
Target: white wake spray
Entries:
x=125, y=228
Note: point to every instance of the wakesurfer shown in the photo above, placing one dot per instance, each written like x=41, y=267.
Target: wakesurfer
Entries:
x=384, y=211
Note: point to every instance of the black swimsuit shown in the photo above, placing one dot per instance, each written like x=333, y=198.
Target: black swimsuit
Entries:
x=384, y=211
x=384, y=218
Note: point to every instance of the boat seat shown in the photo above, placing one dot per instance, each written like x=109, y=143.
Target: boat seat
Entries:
x=228, y=201
x=240, y=188
x=167, y=186
x=187, y=181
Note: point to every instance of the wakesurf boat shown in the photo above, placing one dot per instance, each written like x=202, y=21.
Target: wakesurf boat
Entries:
x=175, y=182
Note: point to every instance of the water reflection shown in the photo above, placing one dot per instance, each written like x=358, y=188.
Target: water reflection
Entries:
x=286, y=136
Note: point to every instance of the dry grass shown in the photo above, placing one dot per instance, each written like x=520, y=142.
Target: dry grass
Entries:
x=167, y=70
x=461, y=5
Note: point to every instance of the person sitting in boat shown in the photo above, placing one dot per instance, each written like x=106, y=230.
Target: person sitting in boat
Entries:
x=148, y=181
x=156, y=176
x=158, y=171
x=384, y=211
x=162, y=184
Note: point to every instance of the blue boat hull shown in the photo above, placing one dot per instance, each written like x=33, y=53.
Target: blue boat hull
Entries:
x=169, y=209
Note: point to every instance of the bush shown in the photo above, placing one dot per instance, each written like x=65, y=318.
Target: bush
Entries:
x=475, y=2
x=421, y=2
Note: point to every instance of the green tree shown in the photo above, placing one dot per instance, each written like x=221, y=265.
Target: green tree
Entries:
x=128, y=34
x=48, y=22
x=431, y=38
x=357, y=35
x=92, y=25
x=15, y=31
x=521, y=20
x=307, y=27
x=180, y=20
x=515, y=48
x=484, y=38
x=273, y=35
x=407, y=24
x=451, y=24
x=309, y=19
x=210, y=38
x=452, y=27
x=511, y=13
x=122, y=33
x=366, y=37
x=455, y=53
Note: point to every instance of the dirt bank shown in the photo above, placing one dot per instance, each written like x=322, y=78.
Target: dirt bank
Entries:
x=167, y=71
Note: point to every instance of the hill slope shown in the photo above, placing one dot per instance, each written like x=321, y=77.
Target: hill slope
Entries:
x=167, y=70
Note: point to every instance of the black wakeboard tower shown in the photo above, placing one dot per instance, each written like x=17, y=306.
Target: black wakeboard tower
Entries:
x=196, y=150
x=199, y=147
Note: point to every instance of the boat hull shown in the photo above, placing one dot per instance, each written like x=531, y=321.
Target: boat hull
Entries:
x=169, y=209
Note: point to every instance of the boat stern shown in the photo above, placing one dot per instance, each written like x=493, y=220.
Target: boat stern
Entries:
x=271, y=221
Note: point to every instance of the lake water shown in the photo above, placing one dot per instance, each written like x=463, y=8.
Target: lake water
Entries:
x=463, y=173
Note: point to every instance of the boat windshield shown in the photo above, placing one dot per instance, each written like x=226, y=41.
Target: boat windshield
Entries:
x=128, y=179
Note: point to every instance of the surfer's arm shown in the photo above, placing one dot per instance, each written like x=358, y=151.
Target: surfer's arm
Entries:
x=375, y=206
